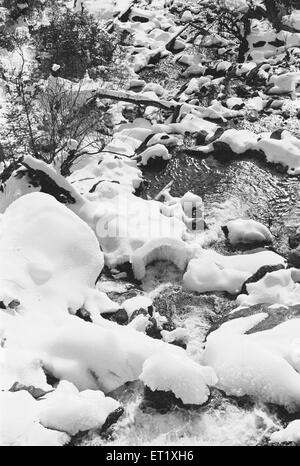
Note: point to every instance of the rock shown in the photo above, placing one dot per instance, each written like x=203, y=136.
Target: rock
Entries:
x=294, y=240
x=111, y=419
x=82, y=313
x=276, y=315
x=159, y=400
x=252, y=116
x=120, y=316
x=34, y=391
x=201, y=137
x=294, y=258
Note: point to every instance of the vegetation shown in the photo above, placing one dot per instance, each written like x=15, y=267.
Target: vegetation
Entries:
x=75, y=41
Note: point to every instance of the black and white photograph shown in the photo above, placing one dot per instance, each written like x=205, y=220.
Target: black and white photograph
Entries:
x=149, y=226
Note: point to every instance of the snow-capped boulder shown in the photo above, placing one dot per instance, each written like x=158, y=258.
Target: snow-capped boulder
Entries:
x=20, y=425
x=157, y=151
x=213, y=272
x=160, y=372
x=68, y=410
x=126, y=222
x=50, y=257
x=279, y=287
x=285, y=83
x=168, y=249
x=290, y=434
x=247, y=231
x=263, y=365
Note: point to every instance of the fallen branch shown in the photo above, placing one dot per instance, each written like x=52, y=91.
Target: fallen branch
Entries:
x=138, y=99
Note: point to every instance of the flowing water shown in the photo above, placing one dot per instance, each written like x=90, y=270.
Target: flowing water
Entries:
x=241, y=188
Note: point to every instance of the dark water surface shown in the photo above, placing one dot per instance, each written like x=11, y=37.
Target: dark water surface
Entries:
x=255, y=189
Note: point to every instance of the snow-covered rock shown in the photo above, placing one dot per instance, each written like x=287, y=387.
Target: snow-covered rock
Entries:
x=285, y=83
x=168, y=249
x=68, y=410
x=126, y=222
x=50, y=257
x=247, y=231
x=263, y=365
x=284, y=151
x=20, y=425
x=160, y=372
x=279, y=287
x=153, y=152
x=290, y=434
x=211, y=271
x=137, y=302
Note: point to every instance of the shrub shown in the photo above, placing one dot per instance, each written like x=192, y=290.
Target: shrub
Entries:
x=17, y=8
x=75, y=41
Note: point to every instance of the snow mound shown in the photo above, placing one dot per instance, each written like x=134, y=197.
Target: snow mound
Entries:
x=50, y=257
x=284, y=151
x=127, y=222
x=290, y=434
x=284, y=83
x=168, y=249
x=213, y=272
x=137, y=302
x=279, y=287
x=68, y=410
x=20, y=425
x=186, y=379
x=263, y=365
x=153, y=152
x=247, y=231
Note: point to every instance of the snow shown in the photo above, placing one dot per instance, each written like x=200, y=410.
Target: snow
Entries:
x=279, y=287
x=103, y=9
x=293, y=19
x=290, y=434
x=137, y=302
x=52, y=253
x=169, y=249
x=20, y=423
x=284, y=151
x=284, y=83
x=48, y=251
x=212, y=271
x=153, y=152
x=71, y=350
x=68, y=410
x=55, y=417
x=262, y=365
x=189, y=382
x=127, y=222
x=247, y=231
